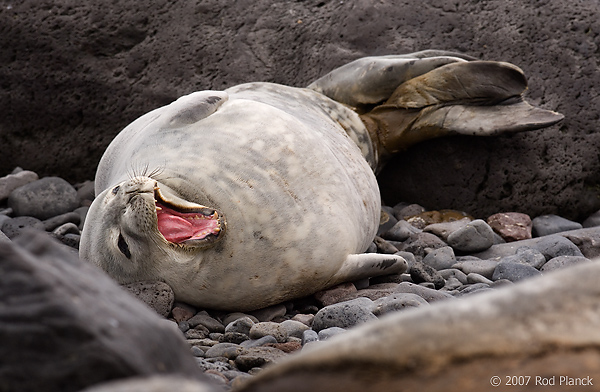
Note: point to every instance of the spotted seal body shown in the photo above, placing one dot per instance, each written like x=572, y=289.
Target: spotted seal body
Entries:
x=281, y=175
x=261, y=193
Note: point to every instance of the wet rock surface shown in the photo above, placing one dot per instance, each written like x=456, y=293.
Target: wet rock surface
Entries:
x=86, y=71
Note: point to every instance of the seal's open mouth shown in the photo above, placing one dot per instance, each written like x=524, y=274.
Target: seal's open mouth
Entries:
x=187, y=223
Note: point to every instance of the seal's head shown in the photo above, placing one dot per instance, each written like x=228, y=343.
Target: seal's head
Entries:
x=135, y=227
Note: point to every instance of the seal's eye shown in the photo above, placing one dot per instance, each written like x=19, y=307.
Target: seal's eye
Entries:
x=123, y=247
x=116, y=189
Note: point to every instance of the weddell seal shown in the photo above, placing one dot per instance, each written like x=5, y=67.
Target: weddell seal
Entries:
x=261, y=193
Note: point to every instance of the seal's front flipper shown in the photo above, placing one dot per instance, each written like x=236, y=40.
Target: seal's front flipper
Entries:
x=191, y=108
x=366, y=265
x=479, y=98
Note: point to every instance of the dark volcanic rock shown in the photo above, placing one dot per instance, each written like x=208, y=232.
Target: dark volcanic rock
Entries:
x=64, y=325
x=87, y=70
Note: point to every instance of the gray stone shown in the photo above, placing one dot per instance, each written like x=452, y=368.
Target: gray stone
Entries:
x=478, y=287
x=401, y=231
x=92, y=330
x=294, y=328
x=563, y=262
x=16, y=226
x=344, y=314
x=309, y=336
x=475, y=236
x=417, y=243
x=227, y=350
x=195, y=333
x=473, y=278
x=555, y=245
x=402, y=211
x=592, y=221
x=233, y=337
x=231, y=317
x=440, y=259
x=387, y=220
x=69, y=217
x=241, y=325
x=258, y=357
x=265, y=328
x=454, y=273
x=3, y=237
x=157, y=295
x=12, y=181
x=428, y=295
x=514, y=271
x=552, y=224
x=532, y=257
x=259, y=342
x=481, y=267
x=43, y=199
x=397, y=301
x=423, y=273
x=443, y=230
x=588, y=241
x=203, y=318
x=327, y=333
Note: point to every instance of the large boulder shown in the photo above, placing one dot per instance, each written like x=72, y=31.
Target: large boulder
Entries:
x=73, y=81
x=64, y=325
x=544, y=332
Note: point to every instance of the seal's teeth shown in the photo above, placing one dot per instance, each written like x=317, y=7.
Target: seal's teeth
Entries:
x=158, y=208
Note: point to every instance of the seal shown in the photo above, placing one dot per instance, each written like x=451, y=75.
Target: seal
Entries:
x=243, y=198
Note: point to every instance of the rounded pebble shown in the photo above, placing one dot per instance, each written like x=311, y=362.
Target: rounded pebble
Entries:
x=203, y=318
x=242, y=325
x=511, y=226
x=401, y=231
x=476, y=236
x=44, y=199
x=294, y=328
x=441, y=258
x=514, y=271
x=552, y=224
x=309, y=336
x=327, y=333
x=423, y=273
x=13, y=181
x=396, y=302
x=344, y=314
x=265, y=328
x=556, y=245
x=563, y=262
x=15, y=226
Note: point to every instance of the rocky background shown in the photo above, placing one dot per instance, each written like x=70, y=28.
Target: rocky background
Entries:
x=73, y=74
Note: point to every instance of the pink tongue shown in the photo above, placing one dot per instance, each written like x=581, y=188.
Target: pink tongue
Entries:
x=176, y=228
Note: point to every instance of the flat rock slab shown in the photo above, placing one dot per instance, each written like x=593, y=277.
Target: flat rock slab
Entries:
x=83, y=74
x=64, y=325
x=547, y=326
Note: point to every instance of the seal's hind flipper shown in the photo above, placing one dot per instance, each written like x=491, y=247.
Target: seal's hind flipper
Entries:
x=366, y=265
x=372, y=80
x=479, y=98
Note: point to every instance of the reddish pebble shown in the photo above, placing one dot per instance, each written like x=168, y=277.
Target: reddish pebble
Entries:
x=511, y=226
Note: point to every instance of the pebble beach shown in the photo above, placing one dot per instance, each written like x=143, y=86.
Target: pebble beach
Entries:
x=450, y=255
